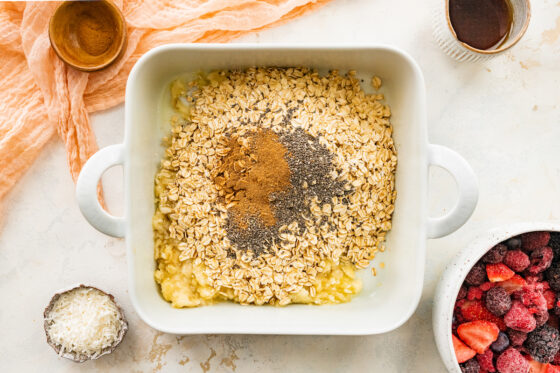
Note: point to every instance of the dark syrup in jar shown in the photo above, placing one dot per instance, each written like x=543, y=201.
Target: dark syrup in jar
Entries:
x=482, y=24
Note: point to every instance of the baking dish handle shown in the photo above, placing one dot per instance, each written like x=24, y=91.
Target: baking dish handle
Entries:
x=468, y=191
x=86, y=190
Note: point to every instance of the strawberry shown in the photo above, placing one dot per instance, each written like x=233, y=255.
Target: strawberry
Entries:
x=473, y=310
x=552, y=368
x=462, y=352
x=499, y=272
x=478, y=335
x=537, y=367
x=514, y=284
x=550, y=298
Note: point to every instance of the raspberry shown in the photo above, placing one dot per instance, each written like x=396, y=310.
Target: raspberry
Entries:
x=477, y=275
x=487, y=286
x=516, y=338
x=511, y=361
x=495, y=254
x=517, y=260
x=533, y=240
x=498, y=301
x=552, y=274
x=514, y=243
x=501, y=343
x=541, y=259
x=543, y=344
x=470, y=366
x=550, y=297
x=532, y=297
x=519, y=318
x=474, y=293
x=539, y=277
x=462, y=293
x=485, y=361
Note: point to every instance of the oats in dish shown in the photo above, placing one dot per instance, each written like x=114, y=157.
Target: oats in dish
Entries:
x=277, y=184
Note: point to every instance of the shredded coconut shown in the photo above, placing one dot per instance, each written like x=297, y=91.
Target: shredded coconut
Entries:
x=84, y=321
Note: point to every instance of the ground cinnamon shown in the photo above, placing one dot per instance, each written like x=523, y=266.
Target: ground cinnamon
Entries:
x=96, y=32
x=250, y=175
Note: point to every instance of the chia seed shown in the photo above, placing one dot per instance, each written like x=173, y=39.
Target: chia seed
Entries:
x=311, y=166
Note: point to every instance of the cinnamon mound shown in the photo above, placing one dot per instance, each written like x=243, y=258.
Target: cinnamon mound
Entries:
x=249, y=175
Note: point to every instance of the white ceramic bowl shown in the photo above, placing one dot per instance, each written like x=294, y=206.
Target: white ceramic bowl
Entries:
x=386, y=300
x=454, y=275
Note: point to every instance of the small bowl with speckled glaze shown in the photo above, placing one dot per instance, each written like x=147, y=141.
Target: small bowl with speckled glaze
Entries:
x=454, y=275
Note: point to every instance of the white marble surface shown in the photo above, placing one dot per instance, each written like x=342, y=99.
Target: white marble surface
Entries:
x=501, y=115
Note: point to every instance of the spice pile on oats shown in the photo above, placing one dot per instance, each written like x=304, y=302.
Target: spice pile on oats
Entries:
x=277, y=184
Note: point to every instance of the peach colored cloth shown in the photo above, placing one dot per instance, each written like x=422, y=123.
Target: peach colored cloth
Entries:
x=40, y=95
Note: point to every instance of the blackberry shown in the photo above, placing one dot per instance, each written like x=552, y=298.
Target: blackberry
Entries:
x=470, y=366
x=513, y=243
x=498, y=301
x=554, y=244
x=543, y=344
x=477, y=275
x=552, y=275
x=495, y=254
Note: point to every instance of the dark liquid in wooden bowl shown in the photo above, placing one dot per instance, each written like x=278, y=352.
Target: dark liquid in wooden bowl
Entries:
x=482, y=24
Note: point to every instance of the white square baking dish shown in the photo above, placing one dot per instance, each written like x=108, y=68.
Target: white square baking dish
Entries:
x=386, y=300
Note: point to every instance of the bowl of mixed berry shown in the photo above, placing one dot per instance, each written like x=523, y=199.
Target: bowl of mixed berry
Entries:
x=497, y=307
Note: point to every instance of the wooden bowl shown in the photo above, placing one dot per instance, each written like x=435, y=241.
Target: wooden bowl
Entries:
x=88, y=35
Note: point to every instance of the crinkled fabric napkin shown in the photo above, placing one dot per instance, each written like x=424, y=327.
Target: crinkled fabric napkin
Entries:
x=40, y=95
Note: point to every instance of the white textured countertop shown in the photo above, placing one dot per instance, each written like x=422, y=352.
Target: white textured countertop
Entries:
x=503, y=116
